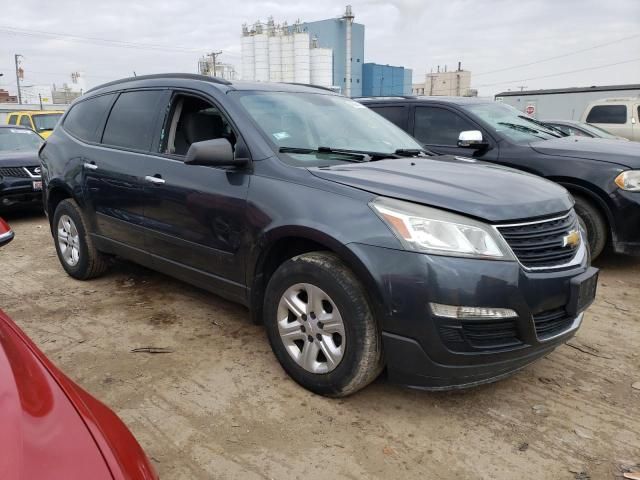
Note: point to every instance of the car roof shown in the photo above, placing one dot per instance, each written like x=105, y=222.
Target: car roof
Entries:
x=425, y=99
x=169, y=79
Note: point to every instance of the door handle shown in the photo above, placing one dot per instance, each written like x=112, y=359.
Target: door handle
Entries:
x=156, y=180
x=90, y=166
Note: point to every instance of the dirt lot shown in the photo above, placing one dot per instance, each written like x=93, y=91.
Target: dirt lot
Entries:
x=220, y=406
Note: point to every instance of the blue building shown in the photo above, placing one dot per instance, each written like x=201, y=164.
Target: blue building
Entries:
x=385, y=80
x=331, y=33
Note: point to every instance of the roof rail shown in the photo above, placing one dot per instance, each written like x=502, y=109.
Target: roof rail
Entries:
x=191, y=76
x=311, y=86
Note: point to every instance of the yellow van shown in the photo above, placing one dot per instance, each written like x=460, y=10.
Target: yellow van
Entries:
x=41, y=121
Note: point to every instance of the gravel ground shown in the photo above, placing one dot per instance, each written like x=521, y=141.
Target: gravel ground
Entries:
x=220, y=406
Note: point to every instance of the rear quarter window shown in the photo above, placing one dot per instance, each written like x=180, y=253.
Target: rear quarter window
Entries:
x=85, y=118
x=608, y=114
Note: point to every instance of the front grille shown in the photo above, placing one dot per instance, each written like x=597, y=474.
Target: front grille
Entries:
x=551, y=322
x=13, y=172
x=541, y=244
x=480, y=335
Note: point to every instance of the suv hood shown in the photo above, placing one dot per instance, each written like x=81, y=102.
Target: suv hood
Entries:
x=600, y=149
x=463, y=185
x=19, y=159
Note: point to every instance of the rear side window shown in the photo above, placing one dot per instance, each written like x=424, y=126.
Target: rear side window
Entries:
x=13, y=119
x=608, y=114
x=396, y=115
x=85, y=118
x=438, y=126
x=24, y=121
x=132, y=120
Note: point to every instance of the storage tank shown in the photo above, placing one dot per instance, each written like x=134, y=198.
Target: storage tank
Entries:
x=288, y=62
x=248, y=58
x=302, y=60
x=275, y=57
x=261, y=49
x=321, y=66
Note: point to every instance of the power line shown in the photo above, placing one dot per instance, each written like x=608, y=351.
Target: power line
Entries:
x=593, y=47
x=104, y=41
x=558, y=74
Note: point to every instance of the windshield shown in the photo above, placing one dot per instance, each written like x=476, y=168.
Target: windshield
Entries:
x=597, y=131
x=19, y=140
x=311, y=121
x=511, y=123
x=45, y=121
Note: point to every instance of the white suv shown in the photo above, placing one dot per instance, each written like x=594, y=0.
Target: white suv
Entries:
x=619, y=116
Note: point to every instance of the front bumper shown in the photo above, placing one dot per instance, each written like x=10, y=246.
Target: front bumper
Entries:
x=18, y=192
x=425, y=351
x=626, y=218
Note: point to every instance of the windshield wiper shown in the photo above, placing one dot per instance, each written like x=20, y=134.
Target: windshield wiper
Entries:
x=411, y=152
x=352, y=156
x=545, y=126
x=521, y=128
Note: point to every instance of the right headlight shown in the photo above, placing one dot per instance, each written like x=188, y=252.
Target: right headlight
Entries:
x=430, y=230
x=629, y=180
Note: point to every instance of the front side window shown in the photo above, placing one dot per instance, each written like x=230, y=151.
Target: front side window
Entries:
x=439, y=126
x=132, y=120
x=616, y=114
x=85, y=118
x=46, y=121
x=19, y=140
x=314, y=120
x=192, y=119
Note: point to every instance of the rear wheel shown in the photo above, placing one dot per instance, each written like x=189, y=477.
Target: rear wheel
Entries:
x=74, y=246
x=321, y=326
x=594, y=223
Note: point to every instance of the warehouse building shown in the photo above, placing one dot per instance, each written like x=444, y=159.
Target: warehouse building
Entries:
x=453, y=83
x=385, y=80
x=328, y=53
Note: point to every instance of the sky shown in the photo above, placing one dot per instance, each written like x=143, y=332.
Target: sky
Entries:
x=506, y=44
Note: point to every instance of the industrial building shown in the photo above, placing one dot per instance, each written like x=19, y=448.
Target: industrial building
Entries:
x=328, y=53
x=455, y=83
x=207, y=66
x=385, y=80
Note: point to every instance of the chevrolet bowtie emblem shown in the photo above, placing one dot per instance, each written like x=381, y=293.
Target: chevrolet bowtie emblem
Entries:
x=572, y=239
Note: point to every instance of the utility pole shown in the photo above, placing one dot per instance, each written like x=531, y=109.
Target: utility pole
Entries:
x=15, y=57
x=214, y=56
x=522, y=87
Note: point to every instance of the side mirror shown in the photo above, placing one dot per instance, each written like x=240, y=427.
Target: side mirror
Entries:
x=472, y=139
x=6, y=234
x=217, y=152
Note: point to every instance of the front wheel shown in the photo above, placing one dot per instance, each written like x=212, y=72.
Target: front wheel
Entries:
x=320, y=325
x=594, y=223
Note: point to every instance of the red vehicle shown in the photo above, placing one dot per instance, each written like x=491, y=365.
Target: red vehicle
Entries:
x=49, y=427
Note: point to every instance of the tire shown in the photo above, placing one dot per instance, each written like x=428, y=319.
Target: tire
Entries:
x=77, y=254
x=319, y=281
x=594, y=223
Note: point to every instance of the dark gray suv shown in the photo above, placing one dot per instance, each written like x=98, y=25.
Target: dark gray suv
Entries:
x=357, y=249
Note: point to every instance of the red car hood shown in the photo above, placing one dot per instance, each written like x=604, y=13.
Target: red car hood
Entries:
x=51, y=428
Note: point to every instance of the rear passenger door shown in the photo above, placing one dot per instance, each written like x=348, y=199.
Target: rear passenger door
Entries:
x=398, y=115
x=196, y=214
x=114, y=170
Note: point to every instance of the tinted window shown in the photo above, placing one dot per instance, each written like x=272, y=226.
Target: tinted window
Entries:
x=396, y=115
x=85, y=118
x=25, y=122
x=132, y=119
x=13, y=119
x=608, y=114
x=437, y=126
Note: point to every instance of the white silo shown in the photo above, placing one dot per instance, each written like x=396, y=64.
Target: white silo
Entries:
x=302, y=72
x=261, y=49
x=321, y=66
x=288, y=58
x=275, y=56
x=248, y=58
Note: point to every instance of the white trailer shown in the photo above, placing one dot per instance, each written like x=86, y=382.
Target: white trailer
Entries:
x=563, y=103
